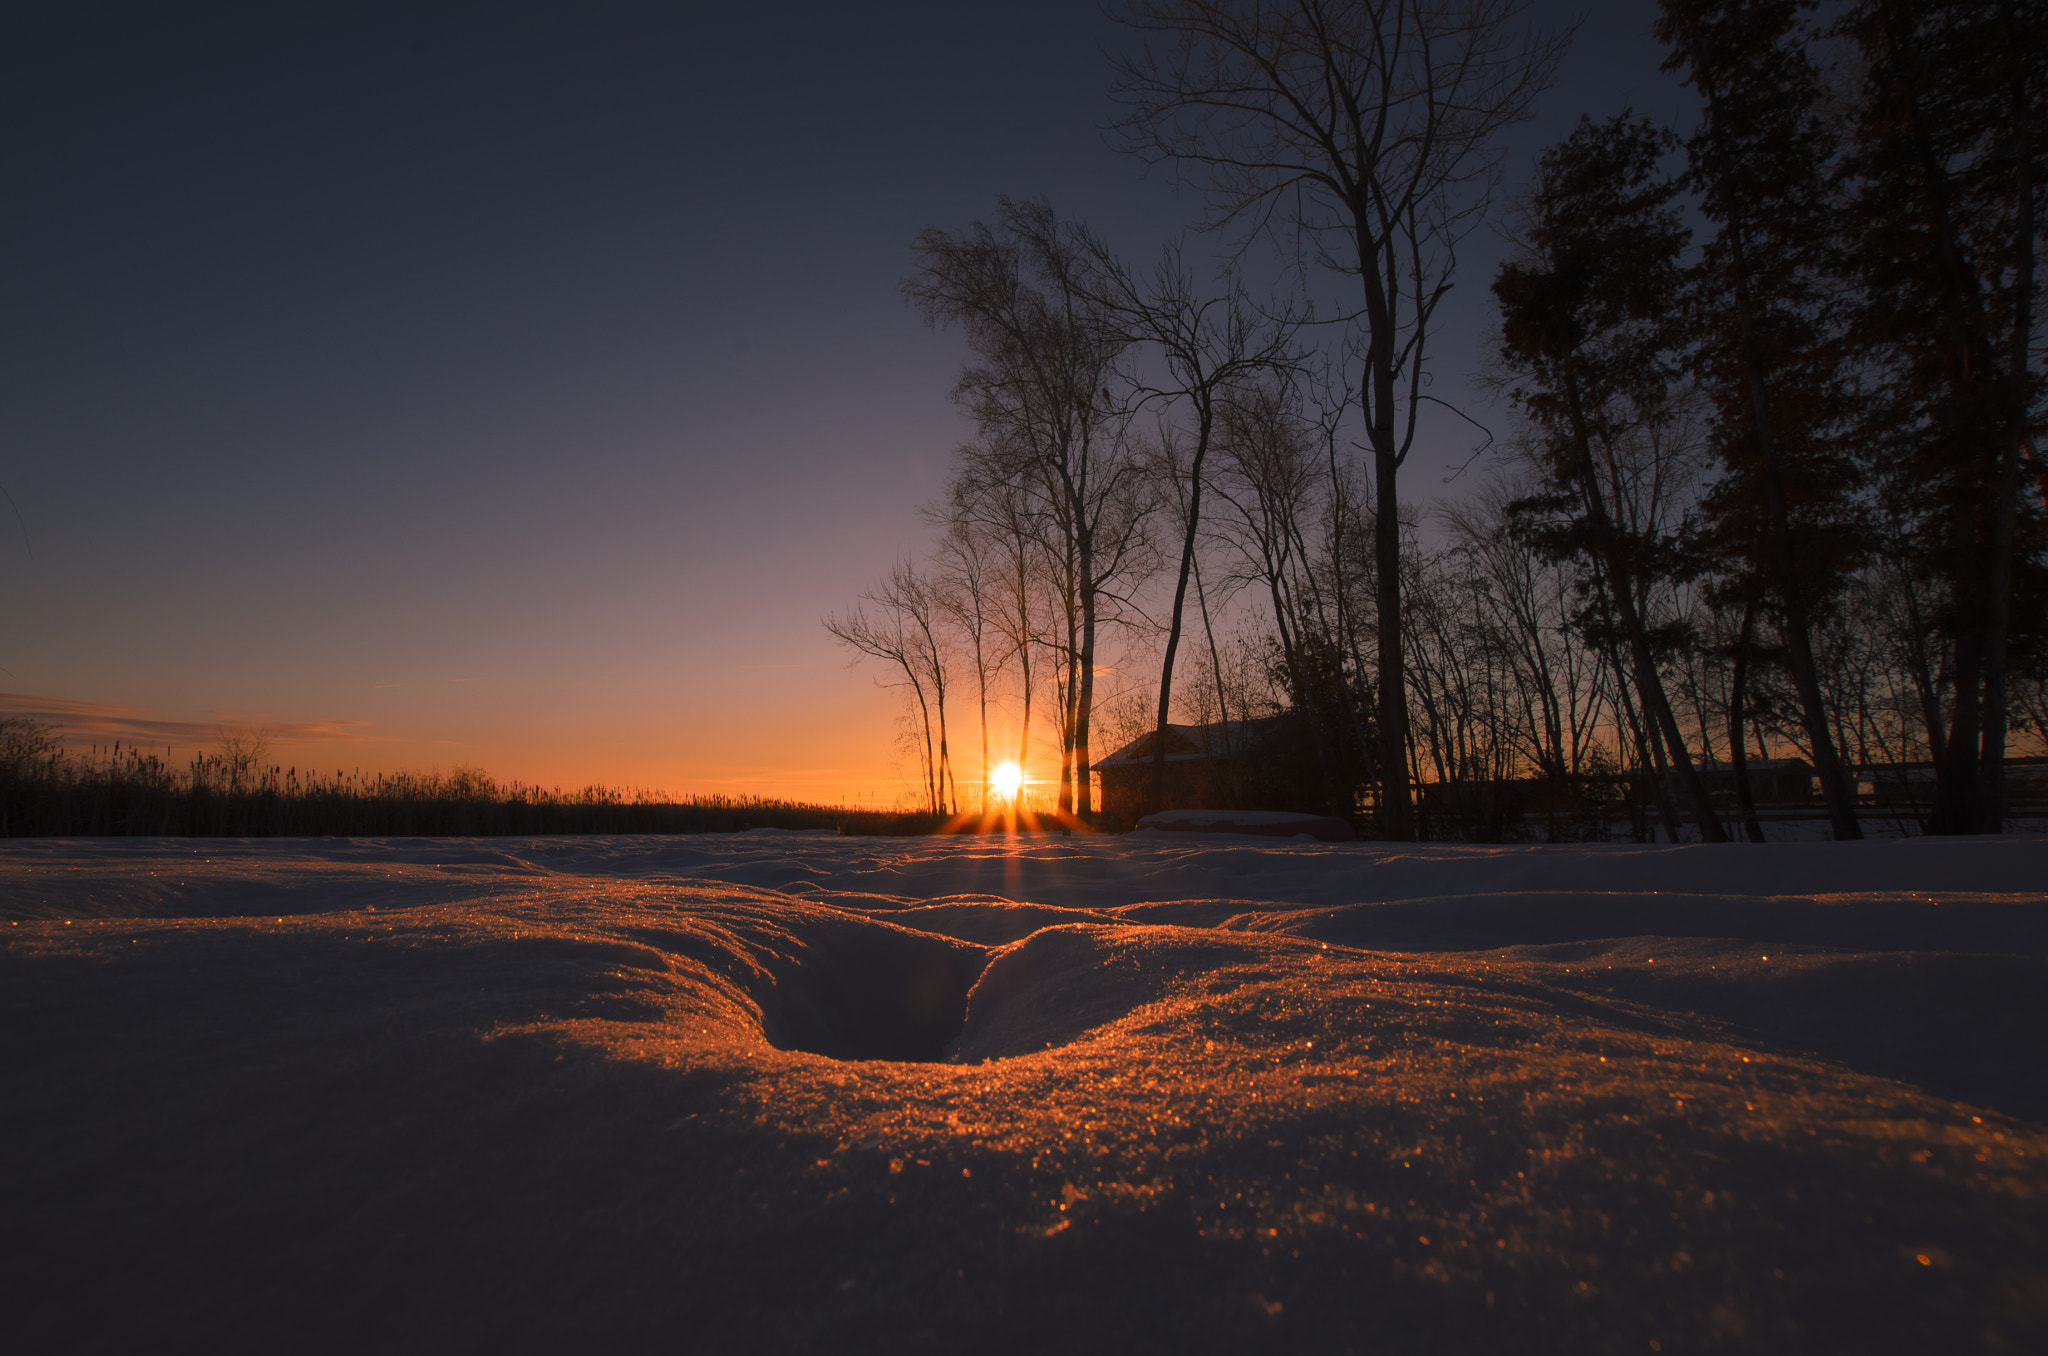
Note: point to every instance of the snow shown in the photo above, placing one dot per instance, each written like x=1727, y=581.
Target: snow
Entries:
x=1257, y=823
x=797, y=1091
x=322, y=875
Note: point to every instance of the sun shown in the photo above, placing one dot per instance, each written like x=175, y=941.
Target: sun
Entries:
x=1006, y=779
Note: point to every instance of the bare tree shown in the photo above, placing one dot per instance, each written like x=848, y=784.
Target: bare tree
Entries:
x=967, y=592
x=1050, y=423
x=1556, y=679
x=1362, y=130
x=242, y=751
x=899, y=622
x=997, y=509
x=1205, y=344
x=1283, y=509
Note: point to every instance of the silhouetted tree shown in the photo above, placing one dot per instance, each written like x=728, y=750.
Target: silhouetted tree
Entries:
x=899, y=622
x=1587, y=327
x=1204, y=344
x=1282, y=507
x=1555, y=677
x=1041, y=395
x=966, y=590
x=1950, y=145
x=1762, y=162
x=1361, y=130
x=996, y=509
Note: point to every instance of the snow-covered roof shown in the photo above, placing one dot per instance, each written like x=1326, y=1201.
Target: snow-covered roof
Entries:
x=1190, y=743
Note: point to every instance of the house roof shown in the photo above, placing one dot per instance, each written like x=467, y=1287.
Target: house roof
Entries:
x=1761, y=765
x=1191, y=743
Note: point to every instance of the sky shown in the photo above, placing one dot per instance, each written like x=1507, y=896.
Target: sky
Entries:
x=517, y=386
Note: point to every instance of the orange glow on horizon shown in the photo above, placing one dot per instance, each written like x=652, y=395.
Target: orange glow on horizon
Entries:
x=807, y=738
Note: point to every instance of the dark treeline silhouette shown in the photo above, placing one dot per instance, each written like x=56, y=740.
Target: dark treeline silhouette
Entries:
x=47, y=792
x=1772, y=491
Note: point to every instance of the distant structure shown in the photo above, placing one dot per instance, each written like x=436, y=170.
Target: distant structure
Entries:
x=1583, y=806
x=1224, y=765
x=1771, y=780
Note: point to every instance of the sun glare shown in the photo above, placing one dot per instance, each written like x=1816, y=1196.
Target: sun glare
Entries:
x=1006, y=780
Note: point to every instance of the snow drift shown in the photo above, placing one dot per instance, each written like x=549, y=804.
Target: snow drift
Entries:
x=797, y=1092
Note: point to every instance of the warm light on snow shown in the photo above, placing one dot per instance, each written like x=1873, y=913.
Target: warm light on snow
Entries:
x=1053, y=1075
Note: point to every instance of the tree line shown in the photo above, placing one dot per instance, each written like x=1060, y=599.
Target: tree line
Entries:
x=1772, y=486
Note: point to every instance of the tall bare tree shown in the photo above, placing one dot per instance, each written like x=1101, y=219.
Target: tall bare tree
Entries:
x=1283, y=507
x=1204, y=343
x=968, y=592
x=998, y=510
x=1363, y=131
x=1556, y=678
x=1041, y=394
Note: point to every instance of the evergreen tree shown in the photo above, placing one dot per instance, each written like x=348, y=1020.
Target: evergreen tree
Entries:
x=1587, y=326
x=1949, y=143
x=1763, y=162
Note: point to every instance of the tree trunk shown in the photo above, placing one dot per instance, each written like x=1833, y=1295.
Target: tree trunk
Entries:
x=947, y=783
x=1834, y=781
x=1643, y=760
x=1222, y=700
x=1956, y=782
x=1376, y=400
x=1738, y=754
x=1656, y=710
x=1025, y=695
x=1659, y=762
x=931, y=763
x=1397, y=813
x=1084, y=708
x=1923, y=676
x=1991, y=764
x=982, y=679
x=1069, y=711
x=1206, y=418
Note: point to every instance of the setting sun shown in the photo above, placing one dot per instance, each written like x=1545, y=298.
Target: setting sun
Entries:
x=1006, y=780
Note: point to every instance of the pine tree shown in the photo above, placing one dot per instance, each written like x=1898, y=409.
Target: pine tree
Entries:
x=1949, y=145
x=1763, y=162
x=1587, y=327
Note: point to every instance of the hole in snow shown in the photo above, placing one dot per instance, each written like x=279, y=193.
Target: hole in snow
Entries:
x=873, y=992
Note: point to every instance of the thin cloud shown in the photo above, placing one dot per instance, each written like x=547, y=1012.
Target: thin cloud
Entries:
x=108, y=721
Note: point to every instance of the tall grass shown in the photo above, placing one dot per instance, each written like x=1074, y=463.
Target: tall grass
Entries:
x=47, y=792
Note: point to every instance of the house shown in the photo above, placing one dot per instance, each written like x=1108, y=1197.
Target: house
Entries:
x=1227, y=764
x=1771, y=780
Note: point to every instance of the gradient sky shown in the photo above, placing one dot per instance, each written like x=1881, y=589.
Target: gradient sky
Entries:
x=517, y=385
